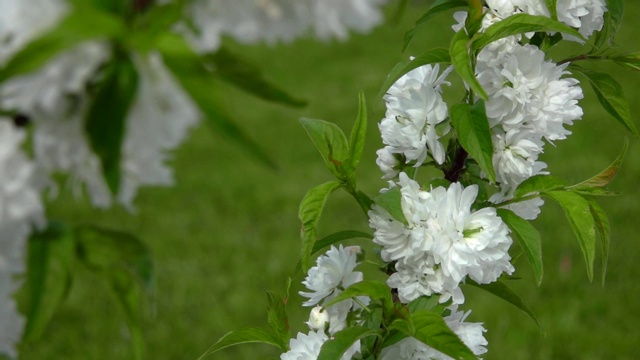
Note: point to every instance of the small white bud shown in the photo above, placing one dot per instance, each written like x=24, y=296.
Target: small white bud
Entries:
x=318, y=318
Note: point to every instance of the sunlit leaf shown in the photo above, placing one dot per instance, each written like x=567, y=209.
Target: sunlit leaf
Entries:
x=528, y=238
x=472, y=127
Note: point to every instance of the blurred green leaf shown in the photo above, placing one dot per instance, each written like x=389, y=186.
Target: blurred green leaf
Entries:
x=341, y=341
x=77, y=27
x=337, y=237
x=630, y=61
x=244, y=336
x=612, y=21
x=155, y=21
x=551, y=6
x=277, y=315
x=371, y=320
x=309, y=213
x=125, y=263
x=50, y=262
x=521, y=24
x=578, y=212
x=603, y=228
x=528, y=238
x=191, y=72
x=331, y=143
x=106, y=117
x=499, y=289
x=461, y=60
x=374, y=289
x=431, y=56
x=248, y=77
x=538, y=184
x=429, y=328
x=472, y=127
x=391, y=201
x=437, y=7
x=610, y=95
x=604, y=177
x=357, y=137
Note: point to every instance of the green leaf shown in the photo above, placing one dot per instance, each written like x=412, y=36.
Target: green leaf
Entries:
x=521, y=24
x=437, y=7
x=551, y=6
x=604, y=233
x=538, y=184
x=578, y=212
x=371, y=320
x=357, y=137
x=611, y=96
x=50, y=263
x=630, y=61
x=309, y=213
x=391, y=201
x=528, y=238
x=77, y=27
x=461, y=59
x=191, y=72
x=248, y=77
x=374, y=289
x=499, y=289
x=125, y=264
x=331, y=143
x=604, y=177
x=430, y=329
x=244, y=336
x=431, y=56
x=431, y=303
x=338, y=236
x=158, y=19
x=472, y=127
x=612, y=21
x=105, y=121
x=277, y=315
x=335, y=347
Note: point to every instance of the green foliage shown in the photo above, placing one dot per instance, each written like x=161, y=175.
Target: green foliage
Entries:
x=105, y=120
x=376, y=290
x=499, y=289
x=277, y=316
x=528, y=238
x=437, y=7
x=472, y=127
x=612, y=22
x=50, y=264
x=391, y=201
x=244, y=336
x=331, y=143
x=461, y=60
x=357, y=138
x=605, y=176
x=334, y=348
x=538, y=184
x=309, y=213
x=429, y=328
x=603, y=229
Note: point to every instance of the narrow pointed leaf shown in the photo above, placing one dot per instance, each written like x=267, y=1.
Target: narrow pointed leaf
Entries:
x=203, y=87
x=604, y=177
x=472, y=127
x=578, y=212
x=551, y=6
x=357, y=137
x=105, y=122
x=337, y=237
x=376, y=290
x=77, y=27
x=277, y=316
x=430, y=329
x=603, y=228
x=437, y=7
x=248, y=77
x=538, y=184
x=335, y=347
x=499, y=289
x=431, y=56
x=611, y=96
x=309, y=213
x=391, y=200
x=49, y=267
x=521, y=24
x=244, y=336
x=461, y=60
x=528, y=238
x=331, y=143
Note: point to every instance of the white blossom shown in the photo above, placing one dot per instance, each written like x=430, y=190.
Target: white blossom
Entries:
x=388, y=163
x=305, y=346
x=334, y=18
x=515, y=155
x=333, y=271
x=414, y=110
x=318, y=318
x=585, y=15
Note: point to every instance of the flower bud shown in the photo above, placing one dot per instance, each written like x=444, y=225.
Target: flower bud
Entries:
x=318, y=318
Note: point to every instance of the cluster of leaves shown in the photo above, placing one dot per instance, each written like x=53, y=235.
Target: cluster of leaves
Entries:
x=470, y=151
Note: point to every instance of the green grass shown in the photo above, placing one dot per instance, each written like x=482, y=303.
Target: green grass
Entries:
x=228, y=230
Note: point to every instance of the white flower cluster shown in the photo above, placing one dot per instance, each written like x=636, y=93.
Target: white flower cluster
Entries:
x=442, y=243
x=333, y=273
x=271, y=21
x=20, y=209
x=410, y=348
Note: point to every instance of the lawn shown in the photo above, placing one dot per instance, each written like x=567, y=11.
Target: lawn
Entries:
x=228, y=231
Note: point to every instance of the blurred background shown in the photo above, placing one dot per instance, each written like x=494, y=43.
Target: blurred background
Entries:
x=228, y=231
